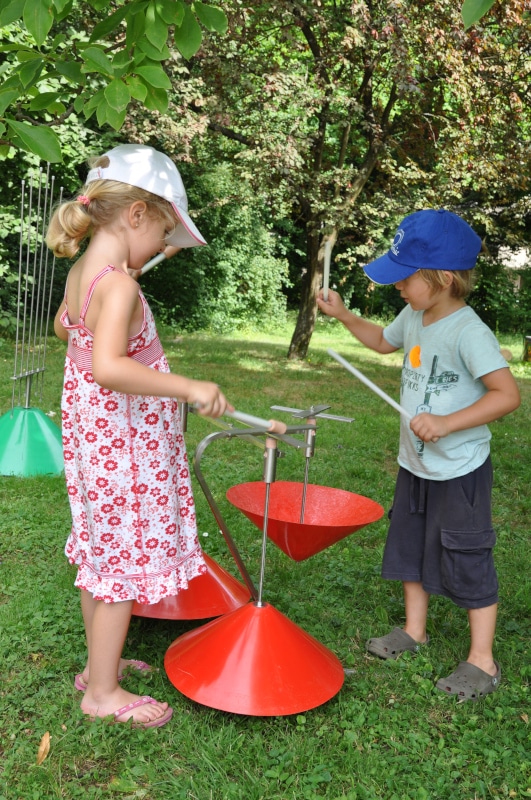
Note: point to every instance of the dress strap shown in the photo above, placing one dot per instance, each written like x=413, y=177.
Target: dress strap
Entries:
x=90, y=292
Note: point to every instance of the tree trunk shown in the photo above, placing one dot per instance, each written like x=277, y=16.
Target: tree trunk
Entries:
x=312, y=281
x=300, y=341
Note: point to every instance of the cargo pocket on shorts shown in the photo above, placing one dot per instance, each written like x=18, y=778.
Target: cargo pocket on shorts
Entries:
x=467, y=566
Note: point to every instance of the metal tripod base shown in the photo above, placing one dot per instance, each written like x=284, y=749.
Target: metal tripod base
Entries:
x=30, y=444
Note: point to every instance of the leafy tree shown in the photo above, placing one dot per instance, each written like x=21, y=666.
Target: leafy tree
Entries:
x=345, y=116
x=67, y=66
x=341, y=116
x=237, y=280
x=67, y=57
x=497, y=301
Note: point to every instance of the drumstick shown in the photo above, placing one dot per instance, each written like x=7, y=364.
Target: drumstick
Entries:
x=271, y=425
x=169, y=251
x=153, y=263
x=326, y=269
x=370, y=384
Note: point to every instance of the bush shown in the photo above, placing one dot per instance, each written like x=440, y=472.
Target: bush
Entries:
x=234, y=282
x=503, y=307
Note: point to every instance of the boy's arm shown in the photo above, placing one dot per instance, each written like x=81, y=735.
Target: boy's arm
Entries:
x=368, y=333
x=501, y=398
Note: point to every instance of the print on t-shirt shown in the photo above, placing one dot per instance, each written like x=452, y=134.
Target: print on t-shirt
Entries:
x=431, y=384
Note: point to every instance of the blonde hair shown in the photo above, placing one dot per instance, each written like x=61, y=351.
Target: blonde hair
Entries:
x=99, y=203
x=462, y=283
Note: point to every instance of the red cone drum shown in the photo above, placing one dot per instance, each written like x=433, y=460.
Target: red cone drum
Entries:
x=329, y=514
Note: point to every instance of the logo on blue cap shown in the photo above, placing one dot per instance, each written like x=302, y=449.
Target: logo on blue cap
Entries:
x=399, y=235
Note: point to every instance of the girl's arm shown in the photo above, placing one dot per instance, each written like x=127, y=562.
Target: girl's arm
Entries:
x=59, y=330
x=501, y=398
x=113, y=369
x=368, y=333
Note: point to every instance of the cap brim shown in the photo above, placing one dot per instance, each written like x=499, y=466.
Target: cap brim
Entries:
x=386, y=271
x=186, y=233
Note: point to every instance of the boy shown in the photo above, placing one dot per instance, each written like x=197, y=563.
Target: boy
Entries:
x=454, y=382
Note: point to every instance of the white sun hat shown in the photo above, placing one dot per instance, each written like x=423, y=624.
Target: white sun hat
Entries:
x=149, y=169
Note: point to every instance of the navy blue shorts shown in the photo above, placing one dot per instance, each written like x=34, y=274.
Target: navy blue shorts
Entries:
x=441, y=535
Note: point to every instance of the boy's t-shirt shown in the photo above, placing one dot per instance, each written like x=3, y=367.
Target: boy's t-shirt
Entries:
x=441, y=373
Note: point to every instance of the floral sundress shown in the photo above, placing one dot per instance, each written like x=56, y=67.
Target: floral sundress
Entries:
x=134, y=533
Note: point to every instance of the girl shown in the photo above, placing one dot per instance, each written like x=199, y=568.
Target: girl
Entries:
x=134, y=531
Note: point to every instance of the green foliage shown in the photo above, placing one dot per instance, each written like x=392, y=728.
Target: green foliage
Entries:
x=498, y=302
x=64, y=56
x=237, y=280
x=8, y=304
x=339, y=116
x=473, y=10
x=346, y=117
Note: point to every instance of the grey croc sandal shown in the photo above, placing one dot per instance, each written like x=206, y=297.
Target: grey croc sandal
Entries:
x=394, y=643
x=469, y=682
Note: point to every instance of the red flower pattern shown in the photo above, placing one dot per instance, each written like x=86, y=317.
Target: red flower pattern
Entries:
x=121, y=521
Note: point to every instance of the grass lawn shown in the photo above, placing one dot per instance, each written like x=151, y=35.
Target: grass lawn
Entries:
x=388, y=733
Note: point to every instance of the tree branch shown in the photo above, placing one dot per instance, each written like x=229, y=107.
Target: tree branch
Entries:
x=230, y=134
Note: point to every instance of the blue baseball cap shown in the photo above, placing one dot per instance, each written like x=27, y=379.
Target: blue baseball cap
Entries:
x=427, y=239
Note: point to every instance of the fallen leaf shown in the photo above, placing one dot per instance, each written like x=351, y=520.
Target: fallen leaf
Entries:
x=525, y=718
x=35, y=656
x=44, y=748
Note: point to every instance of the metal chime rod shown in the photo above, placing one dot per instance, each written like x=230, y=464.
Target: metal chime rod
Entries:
x=52, y=270
x=27, y=398
x=20, y=252
x=33, y=310
x=37, y=277
x=24, y=351
x=310, y=449
x=270, y=457
x=28, y=328
x=43, y=276
x=35, y=287
x=304, y=489
x=264, y=545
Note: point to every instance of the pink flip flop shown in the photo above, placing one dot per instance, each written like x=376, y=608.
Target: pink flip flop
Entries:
x=142, y=701
x=141, y=666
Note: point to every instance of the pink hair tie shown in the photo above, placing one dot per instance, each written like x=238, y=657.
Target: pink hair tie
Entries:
x=83, y=199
